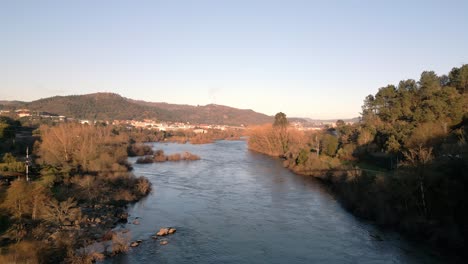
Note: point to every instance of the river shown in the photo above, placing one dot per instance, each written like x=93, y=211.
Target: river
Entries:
x=237, y=206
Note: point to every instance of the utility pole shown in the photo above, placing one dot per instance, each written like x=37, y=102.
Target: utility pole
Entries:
x=27, y=164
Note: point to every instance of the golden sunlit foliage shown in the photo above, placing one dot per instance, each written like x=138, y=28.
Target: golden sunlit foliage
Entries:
x=82, y=147
x=80, y=166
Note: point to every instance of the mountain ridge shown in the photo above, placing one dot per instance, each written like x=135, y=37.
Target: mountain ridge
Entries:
x=112, y=106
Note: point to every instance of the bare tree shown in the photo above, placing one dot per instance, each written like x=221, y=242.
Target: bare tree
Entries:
x=62, y=212
x=420, y=157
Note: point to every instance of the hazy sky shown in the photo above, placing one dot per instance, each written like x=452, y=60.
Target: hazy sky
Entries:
x=306, y=58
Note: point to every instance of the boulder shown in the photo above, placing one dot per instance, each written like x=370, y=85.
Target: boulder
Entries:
x=171, y=231
x=163, y=232
x=135, y=244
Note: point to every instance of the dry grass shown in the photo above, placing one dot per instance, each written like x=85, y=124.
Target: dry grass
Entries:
x=120, y=243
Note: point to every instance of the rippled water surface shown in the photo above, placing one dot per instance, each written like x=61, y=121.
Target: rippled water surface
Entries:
x=237, y=206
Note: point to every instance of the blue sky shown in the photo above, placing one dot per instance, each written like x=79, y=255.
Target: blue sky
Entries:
x=314, y=59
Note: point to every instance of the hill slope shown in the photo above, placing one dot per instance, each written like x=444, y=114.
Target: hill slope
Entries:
x=109, y=106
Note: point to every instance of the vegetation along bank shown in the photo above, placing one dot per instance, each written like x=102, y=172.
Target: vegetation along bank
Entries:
x=78, y=186
x=404, y=165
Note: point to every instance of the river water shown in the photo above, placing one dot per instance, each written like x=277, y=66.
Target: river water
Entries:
x=237, y=206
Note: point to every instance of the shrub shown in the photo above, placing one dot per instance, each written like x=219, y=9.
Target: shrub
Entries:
x=143, y=186
x=139, y=150
x=145, y=159
x=174, y=157
x=190, y=156
x=120, y=242
x=159, y=156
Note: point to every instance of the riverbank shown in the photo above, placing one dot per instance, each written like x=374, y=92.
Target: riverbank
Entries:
x=382, y=197
x=238, y=206
x=80, y=191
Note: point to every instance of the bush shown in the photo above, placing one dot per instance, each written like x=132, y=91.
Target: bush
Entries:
x=174, y=157
x=139, y=150
x=159, y=156
x=143, y=186
x=120, y=242
x=146, y=159
x=190, y=156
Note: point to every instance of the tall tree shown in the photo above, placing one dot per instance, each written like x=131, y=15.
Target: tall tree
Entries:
x=280, y=120
x=429, y=83
x=459, y=78
x=385, y=103
x=463, y=79
x=281, y=125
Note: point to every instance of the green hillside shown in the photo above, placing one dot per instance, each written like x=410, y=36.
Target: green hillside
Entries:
x=110, y=106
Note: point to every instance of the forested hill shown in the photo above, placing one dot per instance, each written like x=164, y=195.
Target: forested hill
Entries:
x=110, y=106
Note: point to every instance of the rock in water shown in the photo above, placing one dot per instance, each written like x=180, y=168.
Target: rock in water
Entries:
x=134, y=244
x=164, y=242
x=163, y=232
x=171, y=230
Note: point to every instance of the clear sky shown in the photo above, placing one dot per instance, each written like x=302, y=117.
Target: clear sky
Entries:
x=314, y=59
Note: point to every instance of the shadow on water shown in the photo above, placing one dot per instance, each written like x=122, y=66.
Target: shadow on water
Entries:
x=237, y=206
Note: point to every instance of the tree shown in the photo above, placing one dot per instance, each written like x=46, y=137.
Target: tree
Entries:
x=392, y=145
x=329, y=145
x=429, y=83
x=9, y=158
x=25, y=198
x=459, y=78
x=454, y=77
x=365, y=136
x=62, y=212
x=420, y=157
x=265, y=139
x=6, y=131
x=17, y=199
x=8, y=128
x=281, y=124
x=302, y=157
x=280, y=120
x=385, y=101
x=368, y=109
x=81, y=148
x=463, y=77
x=39, y=195
x=407, y=100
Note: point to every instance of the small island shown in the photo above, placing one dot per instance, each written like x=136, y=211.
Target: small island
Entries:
x=159, y=156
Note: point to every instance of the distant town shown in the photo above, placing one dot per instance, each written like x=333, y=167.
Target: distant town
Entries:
x=158, y=125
